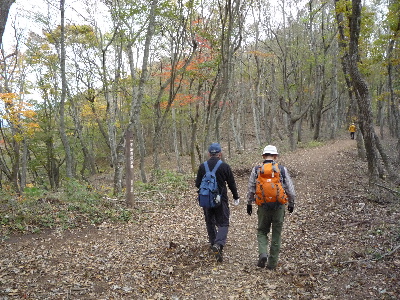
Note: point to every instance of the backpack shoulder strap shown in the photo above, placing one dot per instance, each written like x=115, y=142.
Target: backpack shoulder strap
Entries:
x=216, y=166
x=258, y=169
x=276, y=167
x=282, y=172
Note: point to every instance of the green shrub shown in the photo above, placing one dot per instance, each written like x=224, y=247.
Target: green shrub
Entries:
x=73, y=205
x=164, y=180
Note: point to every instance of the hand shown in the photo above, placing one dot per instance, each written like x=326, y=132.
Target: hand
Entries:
x=249, y=209
x=290, y=208
x=236, y=201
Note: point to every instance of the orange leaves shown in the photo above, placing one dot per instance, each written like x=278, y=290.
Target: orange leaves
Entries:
x=200, y=68
x=203, y=42
x=181, y=100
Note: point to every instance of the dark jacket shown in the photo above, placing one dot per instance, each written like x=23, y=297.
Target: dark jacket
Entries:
x=224, y=175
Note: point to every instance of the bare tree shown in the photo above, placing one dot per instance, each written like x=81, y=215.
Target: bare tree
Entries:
x=231, y=20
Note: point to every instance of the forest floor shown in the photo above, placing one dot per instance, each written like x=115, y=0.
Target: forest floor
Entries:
x=338, y=244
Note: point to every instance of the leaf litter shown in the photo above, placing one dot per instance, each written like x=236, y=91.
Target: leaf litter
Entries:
x=338, y=244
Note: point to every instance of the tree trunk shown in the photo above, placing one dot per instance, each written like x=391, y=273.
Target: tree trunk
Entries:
x=352, y=111
x=99, y=123
x=63, y=134
x=393, y=175
x=88, y=158
x=4, y=10
x=176, y=144
x=256, y=118
x=52, y=165
x=292, y=120
x=393, y=100
x=362, y=93
x=24, y=164
x=320, y=95
x=194, y=120
x=334, y=115
x=119, y=150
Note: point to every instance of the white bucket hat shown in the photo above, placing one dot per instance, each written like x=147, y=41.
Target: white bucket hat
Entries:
x=270, y=150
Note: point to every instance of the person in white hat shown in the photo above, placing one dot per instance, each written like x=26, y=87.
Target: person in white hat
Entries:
x=271, y=212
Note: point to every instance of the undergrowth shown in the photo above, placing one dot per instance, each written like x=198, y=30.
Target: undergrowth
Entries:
x=74, y=204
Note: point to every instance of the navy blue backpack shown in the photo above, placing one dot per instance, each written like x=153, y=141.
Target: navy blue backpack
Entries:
x=209, y=196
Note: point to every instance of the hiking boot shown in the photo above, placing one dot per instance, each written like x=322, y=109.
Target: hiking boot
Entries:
x=217, y=251
x=262, y=260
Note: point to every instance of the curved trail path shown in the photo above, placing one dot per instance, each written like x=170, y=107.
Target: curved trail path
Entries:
x=327, y=246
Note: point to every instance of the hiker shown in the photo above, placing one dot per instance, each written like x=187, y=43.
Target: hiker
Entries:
x=271, y=199
x=352, y=129
x=217, y=218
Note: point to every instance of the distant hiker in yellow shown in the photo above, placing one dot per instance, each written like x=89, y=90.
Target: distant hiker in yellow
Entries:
x=352, y=129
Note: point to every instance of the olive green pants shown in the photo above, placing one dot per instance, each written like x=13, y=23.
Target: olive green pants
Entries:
x=266, y=220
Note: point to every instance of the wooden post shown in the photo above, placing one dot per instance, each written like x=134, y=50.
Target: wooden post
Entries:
x=129, y=168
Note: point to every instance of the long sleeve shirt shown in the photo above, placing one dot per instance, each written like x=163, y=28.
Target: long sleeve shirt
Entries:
x=286, y=180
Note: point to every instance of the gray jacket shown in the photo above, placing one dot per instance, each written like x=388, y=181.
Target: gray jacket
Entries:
x=287, y=184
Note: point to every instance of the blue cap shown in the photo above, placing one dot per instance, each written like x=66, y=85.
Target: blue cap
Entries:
x=214, y=148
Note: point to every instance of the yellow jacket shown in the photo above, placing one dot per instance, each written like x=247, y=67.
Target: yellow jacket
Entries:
x=352, y=128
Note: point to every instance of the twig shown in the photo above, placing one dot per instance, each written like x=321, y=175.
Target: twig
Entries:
x=144, y=201
x=371, y=259
x=389, y=189
x=148, y=192
x=153, y=191
x=391, y=252
x=356, y=223
x=305, y=273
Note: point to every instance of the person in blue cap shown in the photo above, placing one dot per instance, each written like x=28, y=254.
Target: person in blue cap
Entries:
x=217, y=218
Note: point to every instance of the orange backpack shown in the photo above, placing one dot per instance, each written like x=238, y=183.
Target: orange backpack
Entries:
x=269, y=188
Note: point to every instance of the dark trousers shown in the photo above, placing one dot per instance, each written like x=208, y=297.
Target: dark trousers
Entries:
x=217, y=223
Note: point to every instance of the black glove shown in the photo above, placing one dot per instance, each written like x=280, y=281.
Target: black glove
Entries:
x=290, y=209
x=249, y=209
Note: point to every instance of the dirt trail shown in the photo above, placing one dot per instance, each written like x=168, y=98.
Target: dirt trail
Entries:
x=329, y=243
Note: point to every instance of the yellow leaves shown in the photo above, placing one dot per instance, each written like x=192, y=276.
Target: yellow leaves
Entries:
x=29, y=114
x=8, y=97
x=19, y=115
x=18, y=137
x=45, y=47
x=82, y=34
x=99, y=108
x=31, y=128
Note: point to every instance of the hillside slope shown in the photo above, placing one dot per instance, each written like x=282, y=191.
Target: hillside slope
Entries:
x=337, y=244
